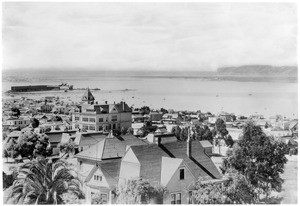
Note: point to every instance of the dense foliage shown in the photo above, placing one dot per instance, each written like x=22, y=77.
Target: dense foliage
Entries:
x=139, y=191
x=259, y=158
x=15, y=112
x=34, y=122
x=236, y=190
x=203, y=133
x=144, y=110
x=220, y=128
x=42, y=182
x=221, y=133
x=28, y=145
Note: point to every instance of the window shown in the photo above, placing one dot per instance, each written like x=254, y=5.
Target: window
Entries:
x=100, y=119
x=85, y=127
x=181, y=174
x=176, y=198
x=92, y=127
x=173, y=199
x=76, y=118
x=84, y=119
x=104, y=198
x=98, y=178
x=92, y=119
x=114, y=118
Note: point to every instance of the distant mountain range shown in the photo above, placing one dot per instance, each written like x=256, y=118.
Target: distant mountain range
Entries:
x=260, y=70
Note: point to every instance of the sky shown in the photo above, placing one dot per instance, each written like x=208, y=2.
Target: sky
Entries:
x=148, y=36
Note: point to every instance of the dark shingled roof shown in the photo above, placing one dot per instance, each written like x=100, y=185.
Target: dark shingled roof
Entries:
x=150, y=158
x=110, y=147
x=200, y=164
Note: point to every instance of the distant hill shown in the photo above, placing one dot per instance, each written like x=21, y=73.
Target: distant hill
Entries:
x=260, y=70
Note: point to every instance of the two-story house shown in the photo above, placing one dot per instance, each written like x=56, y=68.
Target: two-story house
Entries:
x=174, y=165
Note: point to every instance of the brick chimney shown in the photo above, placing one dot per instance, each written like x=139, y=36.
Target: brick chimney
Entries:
x=123, y=106
x=189, y=143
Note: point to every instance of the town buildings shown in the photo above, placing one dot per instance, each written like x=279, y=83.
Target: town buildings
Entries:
x=101, y=117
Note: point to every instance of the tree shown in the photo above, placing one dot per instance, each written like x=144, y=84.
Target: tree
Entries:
x=123, y=131
x=43, y=183
x=203, y=133
x=67, y=147
x=57, y=118
x=130, y=130
x=15, y=112
x=30, y=144
x=183, y=134
x=259, y=158
x=228, y=141
x=164, y=111
x=34, y=122
x=176, y=131
x=236, y=190
x=145, y=110
x=138, y=191
x=220, y=128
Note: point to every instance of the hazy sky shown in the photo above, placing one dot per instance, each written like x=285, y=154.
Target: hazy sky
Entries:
x=156, y=36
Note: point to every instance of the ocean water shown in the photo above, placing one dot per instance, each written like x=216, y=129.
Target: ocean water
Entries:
x=239, y=97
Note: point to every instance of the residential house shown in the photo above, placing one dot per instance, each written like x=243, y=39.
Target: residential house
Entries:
x=155, y=116
x=56, y=137
x=293, y=128
x=172, y=118
x=174, y=166
x=212, y=120
x=98, y=166
x=18, y=122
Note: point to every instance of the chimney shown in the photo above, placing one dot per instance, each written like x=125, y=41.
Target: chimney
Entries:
x=123, y=106
x=158, y=141
x=105, y=102
x=189, y=143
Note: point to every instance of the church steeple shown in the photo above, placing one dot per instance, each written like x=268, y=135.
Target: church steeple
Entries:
x=88, y=97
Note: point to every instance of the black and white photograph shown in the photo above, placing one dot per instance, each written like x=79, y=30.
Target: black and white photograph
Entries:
x=149, y=102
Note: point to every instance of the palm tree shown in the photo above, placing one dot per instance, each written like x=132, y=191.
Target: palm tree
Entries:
x=41, y=182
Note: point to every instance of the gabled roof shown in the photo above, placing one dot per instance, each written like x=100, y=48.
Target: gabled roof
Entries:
x=110, y=170
x=293, y=124
x=87, y=96
x=169, y=167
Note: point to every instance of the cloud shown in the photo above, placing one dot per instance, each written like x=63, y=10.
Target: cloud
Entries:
x=197, y=36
